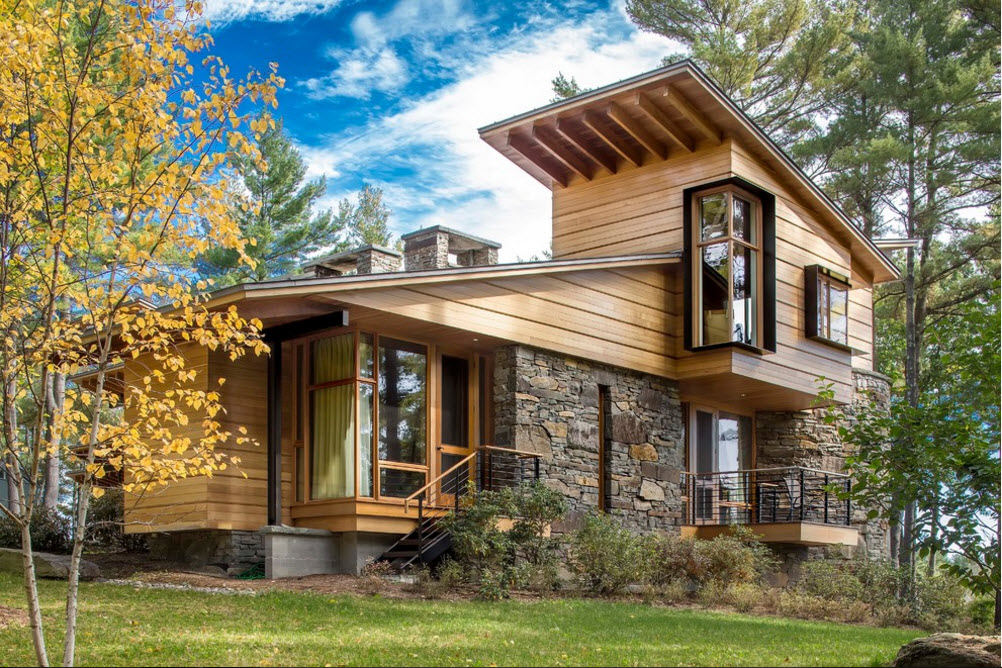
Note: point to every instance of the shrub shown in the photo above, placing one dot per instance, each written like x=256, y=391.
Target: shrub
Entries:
x=605, y=556
x=732, y=559
x=672, y=562
x=523, y=554
x=50, y=532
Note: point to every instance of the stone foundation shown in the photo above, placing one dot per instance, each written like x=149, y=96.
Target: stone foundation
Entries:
x=548, y=403
x=233, y=551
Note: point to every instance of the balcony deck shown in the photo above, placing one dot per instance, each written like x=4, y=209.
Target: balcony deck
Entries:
x=794, y=505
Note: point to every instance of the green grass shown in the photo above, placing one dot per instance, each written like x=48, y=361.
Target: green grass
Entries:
x=125, y=626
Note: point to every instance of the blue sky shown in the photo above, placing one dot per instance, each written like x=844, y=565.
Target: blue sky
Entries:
x=392, y=93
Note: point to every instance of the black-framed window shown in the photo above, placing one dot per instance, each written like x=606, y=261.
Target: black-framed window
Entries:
x=826, y=306
x=730, y=266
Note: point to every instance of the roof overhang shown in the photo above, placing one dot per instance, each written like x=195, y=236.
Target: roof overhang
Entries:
x=669, y=112
x=305, y=286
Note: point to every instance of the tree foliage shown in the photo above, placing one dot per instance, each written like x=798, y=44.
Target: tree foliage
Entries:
x=775, y=58
x=276, y=211
x=115, y=131
x=366, y=221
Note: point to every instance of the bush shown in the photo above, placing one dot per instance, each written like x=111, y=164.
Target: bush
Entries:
x=497, y=557
x=606, y=557
x=732, y=559
x=50, y=532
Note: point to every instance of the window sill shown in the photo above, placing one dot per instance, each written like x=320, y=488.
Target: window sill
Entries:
x=832, y=344
x=734, y=345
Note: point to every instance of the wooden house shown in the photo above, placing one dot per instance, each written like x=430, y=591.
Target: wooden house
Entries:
x=660, y=367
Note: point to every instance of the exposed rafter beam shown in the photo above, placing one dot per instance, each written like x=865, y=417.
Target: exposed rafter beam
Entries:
x=691, y=114
x=600, y=126
x=637, y=131
x=567, y=130
x=544, y=136
x=666, y=125
x=525, y=148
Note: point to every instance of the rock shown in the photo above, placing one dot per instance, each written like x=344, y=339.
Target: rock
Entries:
x=645, y=452
x=544, y=383
x=533, y=438
x=47, y=565
x=949, y=649
x=651, y=491
x=627, y=428
x=556, y=429
x=653, y=400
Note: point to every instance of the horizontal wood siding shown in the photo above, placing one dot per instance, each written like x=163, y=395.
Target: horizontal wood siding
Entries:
x=637, y=211
x=621, y=317
x=181, y=504
x=238, y=496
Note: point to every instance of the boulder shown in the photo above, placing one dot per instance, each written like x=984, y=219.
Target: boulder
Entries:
x=47, y=565
x=949, y=650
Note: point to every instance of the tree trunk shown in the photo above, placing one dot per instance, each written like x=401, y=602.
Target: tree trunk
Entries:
x=10, y=435
x=56, y=397
x=895, y=533
x=80, y=527
x=31, y=592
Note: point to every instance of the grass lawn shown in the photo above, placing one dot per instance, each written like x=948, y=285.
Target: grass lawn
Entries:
x=124, y=626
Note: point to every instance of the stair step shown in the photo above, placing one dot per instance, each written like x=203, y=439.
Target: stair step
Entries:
x=400, y=554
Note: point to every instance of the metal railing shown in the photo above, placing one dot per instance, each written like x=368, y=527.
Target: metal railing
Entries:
x=487, y=468
x=768, y=496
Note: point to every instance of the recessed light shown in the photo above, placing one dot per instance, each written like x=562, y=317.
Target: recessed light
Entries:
x=475, y=340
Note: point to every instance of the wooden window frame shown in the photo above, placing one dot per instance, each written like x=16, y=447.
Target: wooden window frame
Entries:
x=715, y=409
x=304, y=387
x=816, y=279
x=732, y=241
x=766, y=264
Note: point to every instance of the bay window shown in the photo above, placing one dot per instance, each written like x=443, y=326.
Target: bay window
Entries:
x=727, y=284
x=361, y=405
x=730, y=257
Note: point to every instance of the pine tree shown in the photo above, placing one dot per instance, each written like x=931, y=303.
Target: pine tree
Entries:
x=366, y=221
x=775, y=58
x=564, y=88
x=278, y=215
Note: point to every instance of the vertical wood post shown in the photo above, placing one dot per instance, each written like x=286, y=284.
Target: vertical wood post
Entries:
x=275, y=433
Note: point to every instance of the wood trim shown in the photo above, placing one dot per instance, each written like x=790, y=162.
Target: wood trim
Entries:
x=637, y=131
x=667, y=126
x=796, y=533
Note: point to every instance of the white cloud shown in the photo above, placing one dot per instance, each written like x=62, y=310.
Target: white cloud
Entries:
x=359, y=74
x=458, y=180
x=373, y=64
x=228, y=11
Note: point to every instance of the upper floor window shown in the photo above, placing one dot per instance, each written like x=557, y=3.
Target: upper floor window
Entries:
x=727, y=254
x=826, y=305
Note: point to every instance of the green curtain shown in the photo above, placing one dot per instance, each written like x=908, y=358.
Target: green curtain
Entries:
x=332, y=417
x=333, y=358
x=333, y=443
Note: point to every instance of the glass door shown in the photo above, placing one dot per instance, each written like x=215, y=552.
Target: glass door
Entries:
x=456, y=442
x=720, y=457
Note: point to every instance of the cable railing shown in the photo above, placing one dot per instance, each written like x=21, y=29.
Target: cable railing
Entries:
x=488, y=468
x=768, y=496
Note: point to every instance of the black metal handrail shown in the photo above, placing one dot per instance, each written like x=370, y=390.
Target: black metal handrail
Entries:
x=768, y=496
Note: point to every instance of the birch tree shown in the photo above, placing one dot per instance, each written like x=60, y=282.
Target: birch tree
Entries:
x=115, y=124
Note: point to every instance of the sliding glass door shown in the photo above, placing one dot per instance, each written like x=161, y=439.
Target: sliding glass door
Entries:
x=720, y=456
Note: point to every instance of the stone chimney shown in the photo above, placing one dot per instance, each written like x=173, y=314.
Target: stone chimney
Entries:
x=440, y=247
x=362, y=260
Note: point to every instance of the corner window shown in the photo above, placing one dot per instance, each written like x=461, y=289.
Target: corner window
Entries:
x=826, y=306
x=727, y=268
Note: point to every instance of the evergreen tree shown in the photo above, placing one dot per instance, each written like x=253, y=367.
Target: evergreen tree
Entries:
x=277, y=213
x=775, y=58
x=564, y=88
x=365, y=221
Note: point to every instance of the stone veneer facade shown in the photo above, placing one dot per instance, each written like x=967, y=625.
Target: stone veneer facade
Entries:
x=233, y=551
x=549, y=403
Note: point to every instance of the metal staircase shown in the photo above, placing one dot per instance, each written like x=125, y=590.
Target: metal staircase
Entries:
x=487, y=468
